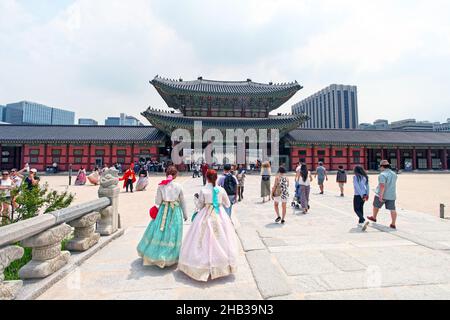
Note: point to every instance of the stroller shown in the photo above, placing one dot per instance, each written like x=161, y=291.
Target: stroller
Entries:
x=296, y=201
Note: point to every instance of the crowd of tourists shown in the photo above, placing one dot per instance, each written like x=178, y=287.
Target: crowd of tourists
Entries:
x=385, y=193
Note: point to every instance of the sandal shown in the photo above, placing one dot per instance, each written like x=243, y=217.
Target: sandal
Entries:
x=282, y=221
x=278, y=219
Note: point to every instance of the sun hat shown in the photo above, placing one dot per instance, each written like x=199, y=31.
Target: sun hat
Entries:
x=384, y=163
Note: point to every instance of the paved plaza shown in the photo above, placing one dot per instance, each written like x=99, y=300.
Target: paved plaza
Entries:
x=321, y=255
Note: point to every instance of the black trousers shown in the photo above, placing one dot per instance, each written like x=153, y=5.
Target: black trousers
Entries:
x=204, y=179
x=358, y=206
x=129, y=184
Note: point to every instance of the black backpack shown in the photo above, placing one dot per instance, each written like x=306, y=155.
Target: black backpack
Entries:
x=229, y=184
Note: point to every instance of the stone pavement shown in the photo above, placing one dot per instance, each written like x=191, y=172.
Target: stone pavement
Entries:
x=321, y=255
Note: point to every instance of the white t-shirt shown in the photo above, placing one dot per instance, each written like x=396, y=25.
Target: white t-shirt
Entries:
x=17, y=181
x=7, y=183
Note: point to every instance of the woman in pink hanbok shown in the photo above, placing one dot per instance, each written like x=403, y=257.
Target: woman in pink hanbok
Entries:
x=210, y=248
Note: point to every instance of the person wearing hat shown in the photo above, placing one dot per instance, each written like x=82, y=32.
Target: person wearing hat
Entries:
x=385, y=193
x=32, y=179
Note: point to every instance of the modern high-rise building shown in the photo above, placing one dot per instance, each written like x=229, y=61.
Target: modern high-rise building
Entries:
x=87, y=122
x=334, y=107
x=122, y=120
x=2, y=113
x=26, y=112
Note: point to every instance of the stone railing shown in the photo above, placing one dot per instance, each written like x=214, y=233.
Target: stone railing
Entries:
x=45, y=232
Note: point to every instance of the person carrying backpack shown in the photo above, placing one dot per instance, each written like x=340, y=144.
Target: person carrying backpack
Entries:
x=229, y=182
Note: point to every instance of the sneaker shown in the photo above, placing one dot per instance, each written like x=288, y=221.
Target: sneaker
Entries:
x=365, y=225
x=392, y=226
x=360, y=225
x=372, y=219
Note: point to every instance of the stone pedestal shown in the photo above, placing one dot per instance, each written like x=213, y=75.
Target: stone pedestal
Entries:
x=47, y=256
x=109, y=222
x=85, y=236
x=8, y=289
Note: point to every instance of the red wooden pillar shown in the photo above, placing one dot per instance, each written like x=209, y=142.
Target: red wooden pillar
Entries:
x=365, y=155
x=111, y=155
x=444, y=159
x=429, y=165
x=22, y=157
x=67, y=157
x=330, y=156
x=313, y=159
x=45, y=156
x=348, y=158
x=89, y=166
x=414, y=157
x=398, y=158
x=1, y=157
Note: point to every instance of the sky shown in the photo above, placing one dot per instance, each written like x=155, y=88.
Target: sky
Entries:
x=97, y=57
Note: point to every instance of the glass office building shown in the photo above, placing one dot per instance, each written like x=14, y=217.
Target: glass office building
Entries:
x=2, y=113
x=334, y=107
x=26, y=112
x=87, y=122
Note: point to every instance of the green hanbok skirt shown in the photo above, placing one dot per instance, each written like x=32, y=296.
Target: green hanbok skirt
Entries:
x=161, y=242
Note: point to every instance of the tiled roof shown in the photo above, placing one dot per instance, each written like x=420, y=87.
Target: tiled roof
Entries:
x=368, y=137
x=168, y=121
x=215, y=87
x=77, y=133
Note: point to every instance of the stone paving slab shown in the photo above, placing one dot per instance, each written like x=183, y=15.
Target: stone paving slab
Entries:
x=268, y=276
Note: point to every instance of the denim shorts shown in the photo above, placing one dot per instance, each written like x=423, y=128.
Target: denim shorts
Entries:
x=389, y=204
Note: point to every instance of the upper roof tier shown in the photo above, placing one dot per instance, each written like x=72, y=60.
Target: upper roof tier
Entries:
x=203, y=94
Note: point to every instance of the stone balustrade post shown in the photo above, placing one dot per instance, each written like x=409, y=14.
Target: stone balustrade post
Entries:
x=84, y=236
x=47, y=256
x=8, y=289
x=109, y=222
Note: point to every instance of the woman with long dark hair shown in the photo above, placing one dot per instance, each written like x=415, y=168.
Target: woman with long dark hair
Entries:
x=304, y=179
x=361, y=195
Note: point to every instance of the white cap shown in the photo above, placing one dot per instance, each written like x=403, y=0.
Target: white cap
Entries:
x=34, y=170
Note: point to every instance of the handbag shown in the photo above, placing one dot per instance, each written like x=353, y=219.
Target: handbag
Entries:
x=277, y=191
x=153, y=212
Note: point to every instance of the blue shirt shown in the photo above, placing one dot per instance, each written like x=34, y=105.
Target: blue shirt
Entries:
x=361, y=186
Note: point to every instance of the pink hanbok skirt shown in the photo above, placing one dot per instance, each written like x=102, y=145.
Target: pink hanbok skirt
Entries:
x=210, y=248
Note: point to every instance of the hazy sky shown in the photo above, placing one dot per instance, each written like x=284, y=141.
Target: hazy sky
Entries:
x=96, y=57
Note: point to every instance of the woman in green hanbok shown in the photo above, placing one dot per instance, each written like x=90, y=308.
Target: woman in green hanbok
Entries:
x=161, y=242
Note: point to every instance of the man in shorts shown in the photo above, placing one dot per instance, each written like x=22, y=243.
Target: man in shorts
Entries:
x=385, y=193
x=321, y=175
